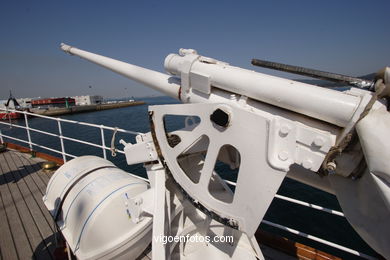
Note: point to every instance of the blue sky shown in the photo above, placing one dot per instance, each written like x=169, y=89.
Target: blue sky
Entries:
x=349, y=37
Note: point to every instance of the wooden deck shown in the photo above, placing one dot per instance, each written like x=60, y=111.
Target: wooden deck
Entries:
x=26, y=226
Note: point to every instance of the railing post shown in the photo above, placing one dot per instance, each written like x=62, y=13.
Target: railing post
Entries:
x=1, y=137
x=28, y=131
x=61, y=140
x=103, y=142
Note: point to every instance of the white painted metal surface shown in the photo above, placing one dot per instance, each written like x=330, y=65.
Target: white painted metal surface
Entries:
x=93, y=198
x=140, y=152
x=270, y=146
x=239, y=210
x=325, y=104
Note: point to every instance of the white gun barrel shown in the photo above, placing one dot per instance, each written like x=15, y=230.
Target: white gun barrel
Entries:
x=156, y=80
x=325, y=104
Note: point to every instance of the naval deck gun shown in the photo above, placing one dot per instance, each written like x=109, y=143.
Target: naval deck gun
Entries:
x=264, y=126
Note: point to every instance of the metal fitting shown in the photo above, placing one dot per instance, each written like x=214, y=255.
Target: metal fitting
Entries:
x=331, y=167
x=318, y=141
x=283, y=155
x=284, y=130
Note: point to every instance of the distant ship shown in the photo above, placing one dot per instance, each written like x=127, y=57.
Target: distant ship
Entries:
x=7, y=115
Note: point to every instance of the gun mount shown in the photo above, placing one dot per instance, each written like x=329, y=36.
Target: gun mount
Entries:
x=267, y=128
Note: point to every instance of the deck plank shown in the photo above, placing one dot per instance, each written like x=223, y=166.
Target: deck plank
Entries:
x=18, y=232
x=34, y=162
x=34, y=179
x=7, y=245
x=33, y=167
x=26, y=225
x=28, y=189
x=22, y=199
x=45, y=176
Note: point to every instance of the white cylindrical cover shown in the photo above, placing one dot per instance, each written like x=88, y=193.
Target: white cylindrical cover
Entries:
x=325, y=104
x=95, y=218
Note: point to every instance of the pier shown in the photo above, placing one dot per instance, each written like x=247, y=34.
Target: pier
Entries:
x=56, y=111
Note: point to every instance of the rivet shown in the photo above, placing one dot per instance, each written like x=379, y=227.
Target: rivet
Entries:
x=284, y=130
x=307, y=163
x=319, y=141
x=283, y=155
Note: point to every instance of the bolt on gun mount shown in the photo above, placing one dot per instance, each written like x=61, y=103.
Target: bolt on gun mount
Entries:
x=267, y=127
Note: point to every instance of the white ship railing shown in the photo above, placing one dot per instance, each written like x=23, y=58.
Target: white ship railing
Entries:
x=60, y=135
x=104, y=151
x=302, y=234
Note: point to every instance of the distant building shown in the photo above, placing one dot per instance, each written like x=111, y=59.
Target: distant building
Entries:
x=2, y=103
x=53, y=102
x=88, y=100
x=22, y=102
